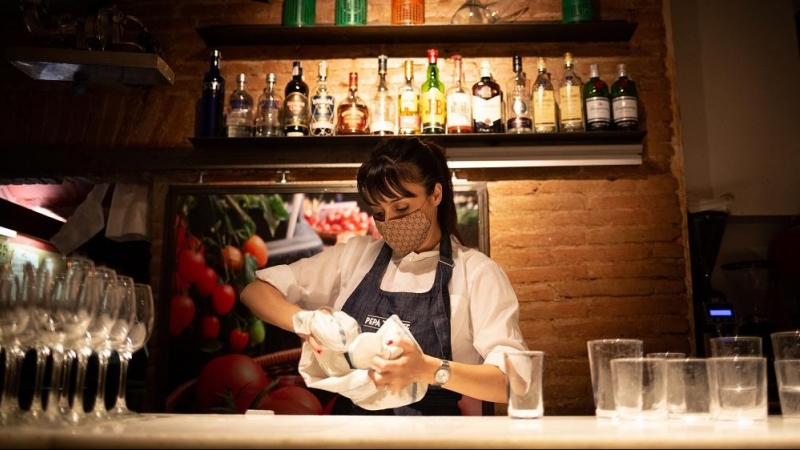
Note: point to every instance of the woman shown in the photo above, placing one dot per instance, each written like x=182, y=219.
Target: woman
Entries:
x=458, y=303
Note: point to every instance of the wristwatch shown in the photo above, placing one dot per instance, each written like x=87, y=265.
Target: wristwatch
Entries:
x=442, y=374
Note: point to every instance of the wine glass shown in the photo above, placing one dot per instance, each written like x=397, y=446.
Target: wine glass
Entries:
x=106, y=343
x=139, y=334
x=470, y=12
x=476, y=12
x=14, y=324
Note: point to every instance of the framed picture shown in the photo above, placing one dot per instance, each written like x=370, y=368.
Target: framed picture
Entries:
x=217, y=237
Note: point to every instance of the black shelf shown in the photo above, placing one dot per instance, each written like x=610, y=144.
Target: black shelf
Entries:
x=329, y=35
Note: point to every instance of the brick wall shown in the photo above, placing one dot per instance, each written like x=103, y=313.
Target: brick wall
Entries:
x=592, y=252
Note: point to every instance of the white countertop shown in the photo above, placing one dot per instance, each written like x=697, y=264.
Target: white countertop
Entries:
x=284, y=431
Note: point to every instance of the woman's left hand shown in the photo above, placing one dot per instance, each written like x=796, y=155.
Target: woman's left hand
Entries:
x=396, y=374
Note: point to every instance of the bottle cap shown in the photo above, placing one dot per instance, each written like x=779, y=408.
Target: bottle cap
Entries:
x=433, y=54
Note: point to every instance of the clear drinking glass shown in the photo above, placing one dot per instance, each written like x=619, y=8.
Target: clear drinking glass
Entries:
x=14, y=324
x=139, y=334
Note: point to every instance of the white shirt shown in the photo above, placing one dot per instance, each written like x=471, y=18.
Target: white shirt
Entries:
x=484, y=310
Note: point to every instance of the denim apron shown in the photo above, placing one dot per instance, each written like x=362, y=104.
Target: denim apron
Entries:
x=427, y=315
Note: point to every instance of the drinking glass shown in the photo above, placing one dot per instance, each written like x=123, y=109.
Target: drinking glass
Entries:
x=139, y=334
x=14, y=323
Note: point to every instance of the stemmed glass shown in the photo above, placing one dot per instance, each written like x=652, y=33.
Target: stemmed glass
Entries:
x=476, y=12
x=138, y=336
x=106, y=343
x=14, y=325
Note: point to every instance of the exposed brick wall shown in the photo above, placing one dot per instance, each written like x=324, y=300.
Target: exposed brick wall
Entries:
x=592, y=252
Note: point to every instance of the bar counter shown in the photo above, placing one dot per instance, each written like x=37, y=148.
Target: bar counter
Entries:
x=286, y=431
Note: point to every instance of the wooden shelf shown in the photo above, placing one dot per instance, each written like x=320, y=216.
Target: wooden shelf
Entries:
x=334, y=37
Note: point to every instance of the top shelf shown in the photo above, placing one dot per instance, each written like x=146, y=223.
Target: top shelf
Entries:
x=330, y=35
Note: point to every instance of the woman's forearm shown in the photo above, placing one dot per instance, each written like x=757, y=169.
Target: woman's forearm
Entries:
x=482, y=381
x=266, y=302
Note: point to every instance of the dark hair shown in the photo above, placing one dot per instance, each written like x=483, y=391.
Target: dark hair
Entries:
x=409, y=159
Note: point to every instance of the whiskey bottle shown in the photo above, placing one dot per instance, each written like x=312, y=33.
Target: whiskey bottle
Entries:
x=322, y=104
x=518, y=111
x=408, y=119
x=596, y=101
x=487, y=103
x=269, y=120
x=459, y=102
x=433, y=112
x=212, y=103
x=383, y=115
x=569, y=96
x=544, y=101
x=352, y=115
x=295, y=104
x=624, y=101
x=240, y=110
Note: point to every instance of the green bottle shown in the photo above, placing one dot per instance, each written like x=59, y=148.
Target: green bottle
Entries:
x=624, y=101
x=433, y=109
x=596, y=102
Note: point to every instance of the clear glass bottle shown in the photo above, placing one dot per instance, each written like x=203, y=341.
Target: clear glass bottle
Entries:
x=459, y=102
x=269, y=120
x=518, y=110
x=570, y=97
x=212, y=103
x=295, y=104
x=322, y=104
x=544, y=101
x=625, y=101
x=239, y=122
x=487, y=103
x=596, y=101
x=433, y=114
x=352, y=115
x=408, y=120
x=383, y=107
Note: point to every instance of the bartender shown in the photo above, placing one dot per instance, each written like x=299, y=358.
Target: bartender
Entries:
x=457, y=302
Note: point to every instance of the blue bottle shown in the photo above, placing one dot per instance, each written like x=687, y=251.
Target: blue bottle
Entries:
x=212, y=104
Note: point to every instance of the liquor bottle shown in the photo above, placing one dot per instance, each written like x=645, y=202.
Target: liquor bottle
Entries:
x=624, y=101
x=459, y=102
x=383, y=107
x=269, y=121
x=518, y=111
x=322, y=104
x=596, y=101
x=295, y=104
x=352, y=115
x=408, y=103
x=487, y=103
x=570, y=98
x=433, y=112
x=240, y=110
x=544, y=101
x=212, y=103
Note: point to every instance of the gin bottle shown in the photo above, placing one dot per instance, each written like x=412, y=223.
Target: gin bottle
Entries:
x=487, y=103
x=269, y=121
x=432, y=98
x=459, y=102
x=569, y=96
x=624, y=101
x=518, y=111
x=596, y=101
x=544, y=101
x=408, y=120
x=240, y=110
x=322, y=104
x=295, y=104
x=383, y=113
x=212, y=103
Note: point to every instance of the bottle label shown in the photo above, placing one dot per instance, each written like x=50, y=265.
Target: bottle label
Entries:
x=322, y=115
x=381, y=127
x=433, y=109
x=236, y=130
x=459, y=110
x=487, y=113
x=544, y=109
x=408, y=119
x=353, y=119
x=598, y=109
x=213, y=85
x=625, y=109
x=296, y=110
x=571, y=109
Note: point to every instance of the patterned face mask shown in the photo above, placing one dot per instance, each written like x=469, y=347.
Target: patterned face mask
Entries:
x=405, y=233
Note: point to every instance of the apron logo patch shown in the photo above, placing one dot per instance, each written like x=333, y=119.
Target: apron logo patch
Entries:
x=375, y=322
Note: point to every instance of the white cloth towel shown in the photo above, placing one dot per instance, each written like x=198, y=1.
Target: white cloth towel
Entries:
x=87, y=220
x=330, y=370
x=128, y=218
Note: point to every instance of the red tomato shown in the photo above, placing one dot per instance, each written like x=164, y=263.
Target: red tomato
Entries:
x=191, y=264
x=291, y=400
x=232, y=257
x=234, y=377
x=181, y=313
x=222, y=297
x=238, y=340
x=209, y=327
x=207, y=281
x=258, y=248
